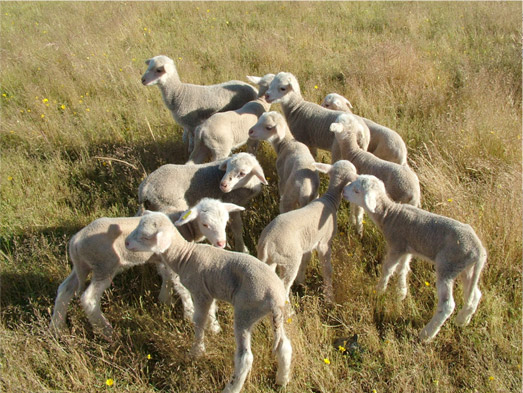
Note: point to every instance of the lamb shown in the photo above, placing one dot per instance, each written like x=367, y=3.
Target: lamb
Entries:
x=298, y=181
x=99, y=248
x=191, y=104
x=223, y=132
x=452, y=246
x=176, y=187
x=401, y=182
x=309, y=122
x=210, y=273
x=289, y=239
x=384, y=142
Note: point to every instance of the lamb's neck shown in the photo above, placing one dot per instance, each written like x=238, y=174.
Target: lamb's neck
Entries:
x=333, y=195
x=172, y=91
x=280, y=144
x=350, y=149
x=178, y=254
x=291, y=103
x=385, y=208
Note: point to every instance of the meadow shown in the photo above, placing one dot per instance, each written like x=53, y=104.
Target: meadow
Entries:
x=79, y=132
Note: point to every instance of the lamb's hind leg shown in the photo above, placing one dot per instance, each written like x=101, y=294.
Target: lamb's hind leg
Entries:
x=243, y=355
x=282, y=347
x=445, y=308
x=91, y=303
x=471, y=292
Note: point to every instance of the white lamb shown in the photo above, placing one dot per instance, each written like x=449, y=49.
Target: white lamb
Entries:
x=309, y=122
x=452, y=246
x=99, y=248
x=298, y=181
x=401, y=182
x=175, y=187
x=384, y=143
x=289, y=239
x=210, y=273
x=191, y=104
x=223, y=132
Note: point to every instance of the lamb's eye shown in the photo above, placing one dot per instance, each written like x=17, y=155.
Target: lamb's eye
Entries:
x=283, y=88
x=206, y=225
x=269, y=128
x=242, y=174
x=158, y=70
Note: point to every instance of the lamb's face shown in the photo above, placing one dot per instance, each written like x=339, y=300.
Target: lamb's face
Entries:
x=151, y=234
x=212, y=222
x=240, y=169
x=265, y=128
x=282, y=84
x=158, y=69
x=364, y=192
x=336, y=102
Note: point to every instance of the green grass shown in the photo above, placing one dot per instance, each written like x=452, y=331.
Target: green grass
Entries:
x=446, y=76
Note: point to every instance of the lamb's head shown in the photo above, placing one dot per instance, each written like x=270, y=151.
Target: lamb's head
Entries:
x=211, y=216
x=154, y=233
x=282, y=84
x=347, y=128
x=337, y=102
x=241, y=170
x=364, y=192
x=340, y=173
x=158, y=70
x=263, y=83
x=269, y=126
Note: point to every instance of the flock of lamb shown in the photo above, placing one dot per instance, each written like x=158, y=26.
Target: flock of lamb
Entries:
x=183, y=204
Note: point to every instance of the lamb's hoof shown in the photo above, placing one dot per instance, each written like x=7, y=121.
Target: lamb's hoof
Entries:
x=402, y=294
x=215, y=328
x=197, y=351
x=282, y=379
x=463, y=318
x=426, y=336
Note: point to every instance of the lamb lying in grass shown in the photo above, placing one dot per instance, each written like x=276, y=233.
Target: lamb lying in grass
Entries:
x=288, y=240
x=384, y=143
x=99, y=248
x=210, y=273
x=453, y=247
x=191, y=104
x=298, y=181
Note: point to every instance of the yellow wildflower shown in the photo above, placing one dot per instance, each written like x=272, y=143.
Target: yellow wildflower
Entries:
x=149, y=357
x=427, y=283
x=62, y=106
x=342, y=348
x=315, y=86
x=109, y=382
x=4, y=95
x=87, y=110
x=45, y=100
x=9, y=178
x=491, y=378
x=327, y=361
x=289, y=320
x=42, y=115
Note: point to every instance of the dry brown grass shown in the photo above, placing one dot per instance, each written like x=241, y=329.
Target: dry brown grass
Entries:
x=446, y=76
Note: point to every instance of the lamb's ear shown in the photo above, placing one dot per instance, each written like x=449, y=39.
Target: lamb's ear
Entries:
x=369, y=201
x=163, y=242
x=146, y=212
x=336, y=127
x=187, y=216
x=321, y=167
x=293, y=83
x=223, y=166
x=347, y=102
x=254, y=79
x=231, y=207
x=258, y=172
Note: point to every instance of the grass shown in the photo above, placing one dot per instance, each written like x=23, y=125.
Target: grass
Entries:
x=78, y=133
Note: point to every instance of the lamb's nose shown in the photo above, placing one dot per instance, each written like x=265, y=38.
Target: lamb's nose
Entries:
x=143, y=81
x=221, y=243
x=251, y=131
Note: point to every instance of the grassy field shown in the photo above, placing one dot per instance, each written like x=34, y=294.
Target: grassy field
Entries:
x=79, y=132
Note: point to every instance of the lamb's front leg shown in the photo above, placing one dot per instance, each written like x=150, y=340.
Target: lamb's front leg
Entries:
x=201, y=314
x=389, y=267
x=404, y=268
x=237, y=230
x=324, y=253
x=242, y=357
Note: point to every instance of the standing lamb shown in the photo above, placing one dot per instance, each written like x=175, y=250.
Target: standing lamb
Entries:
x=191, y=104
x=298, y=181
x=452, y=246
x=401, y=182
x=290, y=238
x=99, y=248
x=309, y=122
x=384, y=142
x=223, y=132
x=175, y=187
x=210, y=273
